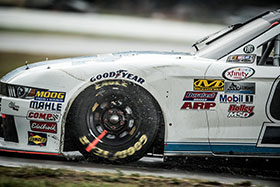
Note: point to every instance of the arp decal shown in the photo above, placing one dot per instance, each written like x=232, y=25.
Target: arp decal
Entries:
x=241, y=58
x=198, y=106
x=238, y=73
x=240, y=87
x=240, y=111
x=118, y=74
x=49, y=96
x=13, y=106
x=39, y=139
x=43, y=116
x=249, y=48
x=225, y=98
x=208, y=84
x=200, y=96
x=50, y=127
x=45, y=106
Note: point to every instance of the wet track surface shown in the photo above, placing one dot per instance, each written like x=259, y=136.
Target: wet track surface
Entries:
x=258, y=171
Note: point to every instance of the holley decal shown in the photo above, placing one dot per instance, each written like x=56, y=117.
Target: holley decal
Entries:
x=238, y=73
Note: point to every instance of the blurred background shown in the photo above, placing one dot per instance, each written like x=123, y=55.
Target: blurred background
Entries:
x=36, y=30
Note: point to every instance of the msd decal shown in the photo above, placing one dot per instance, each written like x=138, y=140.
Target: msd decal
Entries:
x=50, y=127
x=118, y=74
x=43, y=116
x=198, y=106
x=238, y=73
x=240, y=111
x=39, y=139
x=200, y=96
x=49, y=96
x=224, y=98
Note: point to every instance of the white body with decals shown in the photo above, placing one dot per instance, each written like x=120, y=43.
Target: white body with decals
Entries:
x=212, y=103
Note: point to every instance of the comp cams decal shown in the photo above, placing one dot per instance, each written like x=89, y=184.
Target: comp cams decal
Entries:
x=118, y=74
x=50, y=127
x=226, y=98
x=49, y=96
x=208, y=84
x=50, y=106
x=39, y=139
x=240, y=111
x=240, y=87
x=43, y=116
x=241, y=59
x=238, y=73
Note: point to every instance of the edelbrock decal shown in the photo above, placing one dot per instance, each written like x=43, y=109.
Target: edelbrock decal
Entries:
x=39, y=139
x=240, y=111
x=50, y=127
x=238, y=73
x=241, y=58
x=208, y=84
x=118, y=74
x=200, y=96
x=240, y=87
x=49, y=96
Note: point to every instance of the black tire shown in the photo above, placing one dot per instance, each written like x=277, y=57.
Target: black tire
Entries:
x=125, y=110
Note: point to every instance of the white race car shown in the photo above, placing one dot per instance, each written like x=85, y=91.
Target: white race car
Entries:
x=222, y=100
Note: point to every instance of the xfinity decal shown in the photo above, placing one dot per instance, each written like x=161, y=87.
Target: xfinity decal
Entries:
x=42, y=116
x=200, y=96
x=238, y=73
x=118, y=74
x=225, y=98
x=49, y=96
x=208, y=84
x=45, y=106
x=50, y=127
x=39, y=139
x=240, y=87
x=198, y=106
x=241, y=58
x=240, y=111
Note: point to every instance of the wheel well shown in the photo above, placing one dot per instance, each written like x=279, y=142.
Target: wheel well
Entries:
x=156, y=148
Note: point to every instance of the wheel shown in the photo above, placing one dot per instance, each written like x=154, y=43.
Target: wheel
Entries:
x=116, y=121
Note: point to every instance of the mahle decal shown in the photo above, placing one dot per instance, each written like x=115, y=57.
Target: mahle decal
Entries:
x=118, y=74
x=208, y=84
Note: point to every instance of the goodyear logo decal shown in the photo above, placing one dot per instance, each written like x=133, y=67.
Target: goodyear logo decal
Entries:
x=49, y=96
x=39, y=139
x=208, y=84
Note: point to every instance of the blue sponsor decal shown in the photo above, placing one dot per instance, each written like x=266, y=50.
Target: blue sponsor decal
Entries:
x=39, y=139
x=54, y=96
x=240, y=87
x=200, y=96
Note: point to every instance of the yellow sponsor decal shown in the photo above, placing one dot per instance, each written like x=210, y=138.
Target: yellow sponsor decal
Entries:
x=208, y=84
x=49, y=96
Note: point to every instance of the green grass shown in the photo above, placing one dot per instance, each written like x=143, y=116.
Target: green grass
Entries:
x=11, y=60
x=31, y=176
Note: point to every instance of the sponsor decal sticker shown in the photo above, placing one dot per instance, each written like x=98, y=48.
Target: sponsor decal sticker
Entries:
x=240, y=87
x=208, y=84
x=238, y=73
x=13, y=106
x=39, y=139
x=49, y=96
x=198, y=106
x=43, y=116
x=225, y=98
x=45, y=106
x=240, y=111
x=200, y=96
x=241, y=58
x=118, y=74
x=50, y=127
x=249, y=48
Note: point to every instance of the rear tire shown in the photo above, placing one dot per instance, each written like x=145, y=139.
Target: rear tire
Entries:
x=124, y=110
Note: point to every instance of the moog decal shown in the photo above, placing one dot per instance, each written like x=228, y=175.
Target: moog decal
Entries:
x=49, y=96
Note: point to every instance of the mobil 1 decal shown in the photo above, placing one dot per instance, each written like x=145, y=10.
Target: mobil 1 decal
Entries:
x=240, y=87
x=238, y=73
x=235, y=98
x=273, y=103
x=199, y=100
